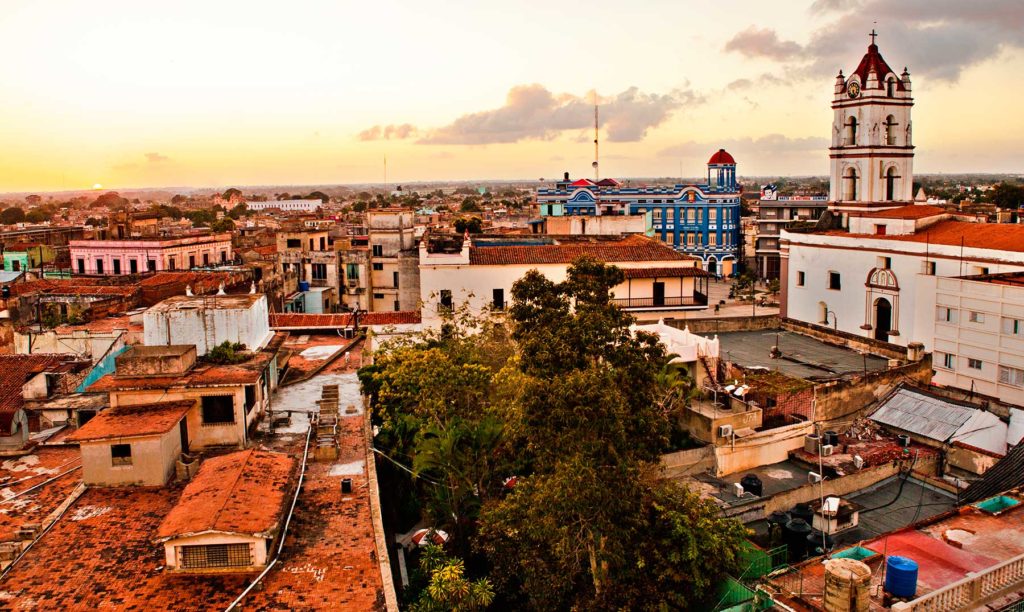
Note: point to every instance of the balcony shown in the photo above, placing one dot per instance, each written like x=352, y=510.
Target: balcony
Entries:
x=696, y=301
x=319, y=282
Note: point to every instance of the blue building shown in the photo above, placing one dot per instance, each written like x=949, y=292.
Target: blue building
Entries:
x=701, y=220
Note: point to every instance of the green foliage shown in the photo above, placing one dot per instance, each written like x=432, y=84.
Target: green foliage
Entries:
x=360, y=206
x=12, y=215
x=179, y=199
x=470, y=204
x=238, y=211
x=222, y=225
x=227, y=195
x=1007, y=195
x=318, y=195
x=201, y=218
x=448, y=588
x=474, y=225
x=226, y=353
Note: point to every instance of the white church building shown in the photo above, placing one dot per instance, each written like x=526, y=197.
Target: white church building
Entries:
x=869, y=267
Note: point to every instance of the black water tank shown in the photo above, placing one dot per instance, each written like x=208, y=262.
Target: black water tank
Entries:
x=802, y=511
x=779, y=517
x=795, y=537
x=818, y=543
x=832, y=437
x=752, y=484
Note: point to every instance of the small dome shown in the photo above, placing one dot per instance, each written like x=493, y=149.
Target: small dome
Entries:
x=721, y=157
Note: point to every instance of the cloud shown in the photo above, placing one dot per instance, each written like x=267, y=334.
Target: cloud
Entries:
x=388, y=132
x=762, y=42
x=532, y=112
x=770, y=144
x=157, y=158
x=761, y=81
x=935, y=38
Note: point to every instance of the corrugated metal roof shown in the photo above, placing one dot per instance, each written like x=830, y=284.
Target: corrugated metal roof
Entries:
x=922, y=414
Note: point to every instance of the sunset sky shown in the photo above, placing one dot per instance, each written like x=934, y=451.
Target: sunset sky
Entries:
x=218, y=93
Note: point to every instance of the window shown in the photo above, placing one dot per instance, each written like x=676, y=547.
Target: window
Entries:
x=378, y=266
x=446, y=299
x=215, y=555
x=99, y=266
x=929, y=268
x=498, y=299
x=117, y=266
x=946, y=361
x=945, y=314
x=133, y=266
x=15, y=265
x=191, y=261
x=120, y=454
x=223, y=256
x=352, y=271
x=835, y=281
x=850, y=190
x=980, y=270
x=884, y=262
x=1011, y=376
x=218, y=409
x=851, y=132
x=800, y=278
x=890, y=88
x=394, y=280
x=689, y=239
x=151, y=265
x=712, y=239
x=294, y=243
x=378, y=296
x=974, y=364
x=976, y=317
x=319, y=271
x=712, y=215
x=172, y=264
x=81, y=266
x=250, y=397
x=310, y=244
x=378, y=250
x=691, y=215
x=890, y=130
x=397, y=306
x=323, y=243
x=206, y=259
x=890, y=183
x=880, y=229
x=1012, y=327
x=657, y=215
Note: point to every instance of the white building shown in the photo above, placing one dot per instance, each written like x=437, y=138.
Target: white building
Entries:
x=871, y=266
x=208, y=320
x=286, y=205
x=481, y=272
x=688, y=348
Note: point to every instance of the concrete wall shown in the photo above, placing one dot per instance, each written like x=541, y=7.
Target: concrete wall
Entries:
x=688, y=462
x=762, y=448
x=202, y=435
x=704, y=427
x=257, y=549
x=837, y=400
x=715, y=325
x=209, y=326
x=153, y=460
x=970, y=460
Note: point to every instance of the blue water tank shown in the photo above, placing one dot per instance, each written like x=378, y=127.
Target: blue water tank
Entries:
x=303, y=285
x=901, y=576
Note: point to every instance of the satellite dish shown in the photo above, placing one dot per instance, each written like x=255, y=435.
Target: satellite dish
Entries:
x=729, y=388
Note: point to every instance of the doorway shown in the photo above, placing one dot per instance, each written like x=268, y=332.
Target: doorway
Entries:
x=659, y=293
x=183, y=431
x=883, y=319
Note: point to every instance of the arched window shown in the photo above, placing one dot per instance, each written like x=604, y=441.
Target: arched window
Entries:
x=890, y=87
x=890, y=183
x=890, y=130
x=851, y=132
x=850, y=184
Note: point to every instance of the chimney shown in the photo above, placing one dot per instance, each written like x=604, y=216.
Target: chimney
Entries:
x=566, y=175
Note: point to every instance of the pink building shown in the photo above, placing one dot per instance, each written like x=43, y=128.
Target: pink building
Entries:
x=139, y=255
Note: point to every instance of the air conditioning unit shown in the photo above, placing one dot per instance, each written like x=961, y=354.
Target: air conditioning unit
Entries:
x=737, y=489
x=724, y=431
x=349, y=333
x=827, y=449
x=858, y=461
x=813, y=477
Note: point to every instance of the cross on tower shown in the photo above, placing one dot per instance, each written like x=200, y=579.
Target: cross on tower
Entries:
x=873, y=35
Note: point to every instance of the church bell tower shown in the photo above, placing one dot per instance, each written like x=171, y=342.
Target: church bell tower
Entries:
x=872, y=152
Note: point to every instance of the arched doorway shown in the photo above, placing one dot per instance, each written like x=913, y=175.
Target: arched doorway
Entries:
x=883, y=319
x=712, y=266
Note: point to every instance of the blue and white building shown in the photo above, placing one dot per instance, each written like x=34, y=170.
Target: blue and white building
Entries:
x=701, y=220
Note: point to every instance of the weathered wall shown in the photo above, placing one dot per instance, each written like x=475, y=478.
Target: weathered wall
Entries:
x=841, y=398
x=152, y=461
x=762, y=448
x=969, y=459
x=848, y=340
x=715, y=325
x=705, y=427
x=688, y=462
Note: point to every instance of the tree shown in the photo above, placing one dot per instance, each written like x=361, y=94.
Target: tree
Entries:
x=232, y=192
x=1007, y=195
x=238, y=211
x=359, y=207
x=222, y=225
x=37, y=215
x=178, y=199
x=470, y=204
x=12, y=215
x=318, y=195
x=473, y=225
x=201, y=218
x=448, y=589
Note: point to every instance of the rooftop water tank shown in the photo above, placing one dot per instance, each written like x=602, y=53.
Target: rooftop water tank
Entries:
x=846, y=585
x=795, y=537
x=901, y=577
x=303, y=285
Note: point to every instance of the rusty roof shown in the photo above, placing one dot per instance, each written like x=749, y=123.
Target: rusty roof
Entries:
x=133, y=421
x=632, y=248
x=687, y=272
x=910, y=211
x=989, y=236
x=16, y=370
x=341, y=320
x=243, y=492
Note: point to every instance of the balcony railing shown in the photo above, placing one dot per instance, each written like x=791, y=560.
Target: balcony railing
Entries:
x=319, y=282
x=970, y=591
x=696, y=300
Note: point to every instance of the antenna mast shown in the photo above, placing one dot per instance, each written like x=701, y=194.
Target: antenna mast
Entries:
x=385, y=176
x=596, y=172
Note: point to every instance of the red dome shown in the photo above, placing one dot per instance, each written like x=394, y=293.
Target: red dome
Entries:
x=721, y=157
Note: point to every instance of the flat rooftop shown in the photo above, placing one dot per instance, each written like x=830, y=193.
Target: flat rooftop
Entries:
x=802, y=356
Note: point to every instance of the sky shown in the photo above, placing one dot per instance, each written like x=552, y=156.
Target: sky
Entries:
x=216, y=93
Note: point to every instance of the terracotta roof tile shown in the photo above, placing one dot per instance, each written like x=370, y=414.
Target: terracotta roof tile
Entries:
x=989, y=236
x=243, y=492
x=910, y=211
x=664, y=272
x=15, y=371
x=627, y=249
x=341, y=320
x=18, y=474
x=202, y=375
x=131, y=421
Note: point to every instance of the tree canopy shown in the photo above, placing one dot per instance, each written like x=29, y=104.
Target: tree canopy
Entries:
x=534, y=440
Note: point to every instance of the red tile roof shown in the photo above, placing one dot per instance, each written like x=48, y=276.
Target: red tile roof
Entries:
x=19, y=474
x=664, y=272
x=626, y=249
x=989, y=236
x=910, y=211
x=71, y=287
x=243, y=492
x=205, y=375
x=15, y=371
x=133, y=421
x=341, y=320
